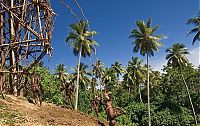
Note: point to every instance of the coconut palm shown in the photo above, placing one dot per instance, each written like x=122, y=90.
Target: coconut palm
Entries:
x=134, y=75
x=196, y=22
x=98, y=72
x=137, y=72
x=84, y=75
x=177, y=59
x=146, y=42
x=61, y=73
x=155, y=78
x=93, y=85
x=82, y=45
x=127, y=80
x=109, y=79
x=98, y=69
x=177, y=55
x=117, y=68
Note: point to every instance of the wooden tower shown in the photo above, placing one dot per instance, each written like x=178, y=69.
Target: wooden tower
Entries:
x=25, y=37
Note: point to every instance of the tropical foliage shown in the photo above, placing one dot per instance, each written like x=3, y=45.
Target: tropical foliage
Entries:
x=174, y=92
x=196, y=30
x=170, y=104
x=146, y=42
x=82, y=44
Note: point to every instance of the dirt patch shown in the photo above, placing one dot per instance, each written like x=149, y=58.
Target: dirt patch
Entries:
x=19, y=112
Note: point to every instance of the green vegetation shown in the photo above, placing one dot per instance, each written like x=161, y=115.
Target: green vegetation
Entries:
x=196, y=22
x=170, y=104
x=146, y=42
x=167, y=98
x=83, y=45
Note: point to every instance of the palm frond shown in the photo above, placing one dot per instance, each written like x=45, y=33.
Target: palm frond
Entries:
x=73, y=43
x=195, y=20
x=196, y=29
x=141, y=26
x=135, y=34
x=196, y=37
x=148, y=24
x=154, y=28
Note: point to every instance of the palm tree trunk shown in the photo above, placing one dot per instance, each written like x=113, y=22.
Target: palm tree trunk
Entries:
x=139, y=90
x=188, y=92
x=12, y=53
x=77, y=81
x=129, y=92
x=193, y=86
x=148, y=92
x=100, y=79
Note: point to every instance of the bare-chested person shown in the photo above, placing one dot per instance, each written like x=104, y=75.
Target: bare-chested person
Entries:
x=35, y=85
x=95, y=105
x=112, y=113
x=68, y=91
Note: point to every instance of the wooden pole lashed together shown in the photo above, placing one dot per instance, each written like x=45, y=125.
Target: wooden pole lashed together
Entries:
x=26, y=28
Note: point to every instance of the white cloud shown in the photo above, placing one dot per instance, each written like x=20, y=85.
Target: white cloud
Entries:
x=194, y=56
x=157, y=64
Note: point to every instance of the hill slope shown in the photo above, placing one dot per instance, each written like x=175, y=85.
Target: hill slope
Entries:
x=19, y=112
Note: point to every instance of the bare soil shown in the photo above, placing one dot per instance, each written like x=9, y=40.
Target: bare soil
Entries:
x=15, y=111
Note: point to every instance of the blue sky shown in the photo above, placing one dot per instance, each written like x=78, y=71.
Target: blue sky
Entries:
x=114, y=19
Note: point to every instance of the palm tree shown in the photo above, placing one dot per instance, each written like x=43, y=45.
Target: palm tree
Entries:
x=109, y=79
x=196, y=22
x=117, y=68
x=146, y=42
x=82, y=45
x=84, y=75
x=155, y=78
x=93, y=85
x=98, y=72
x=61, y=73
x=177, y=59
x=127, y=80
x=137, y=72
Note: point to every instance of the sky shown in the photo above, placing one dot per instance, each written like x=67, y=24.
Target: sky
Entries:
x=114, y=19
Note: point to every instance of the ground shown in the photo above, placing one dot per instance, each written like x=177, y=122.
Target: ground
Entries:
x=15, y=111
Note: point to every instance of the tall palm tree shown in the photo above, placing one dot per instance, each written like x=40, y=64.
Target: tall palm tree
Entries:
x=82, y=44
x=146, y=42
x=196, y=22
x=177, y=59
x=61, y=73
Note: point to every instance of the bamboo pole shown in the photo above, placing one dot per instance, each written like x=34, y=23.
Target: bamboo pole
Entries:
x=2, y=38
x=12, y=77
x=25, y=32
